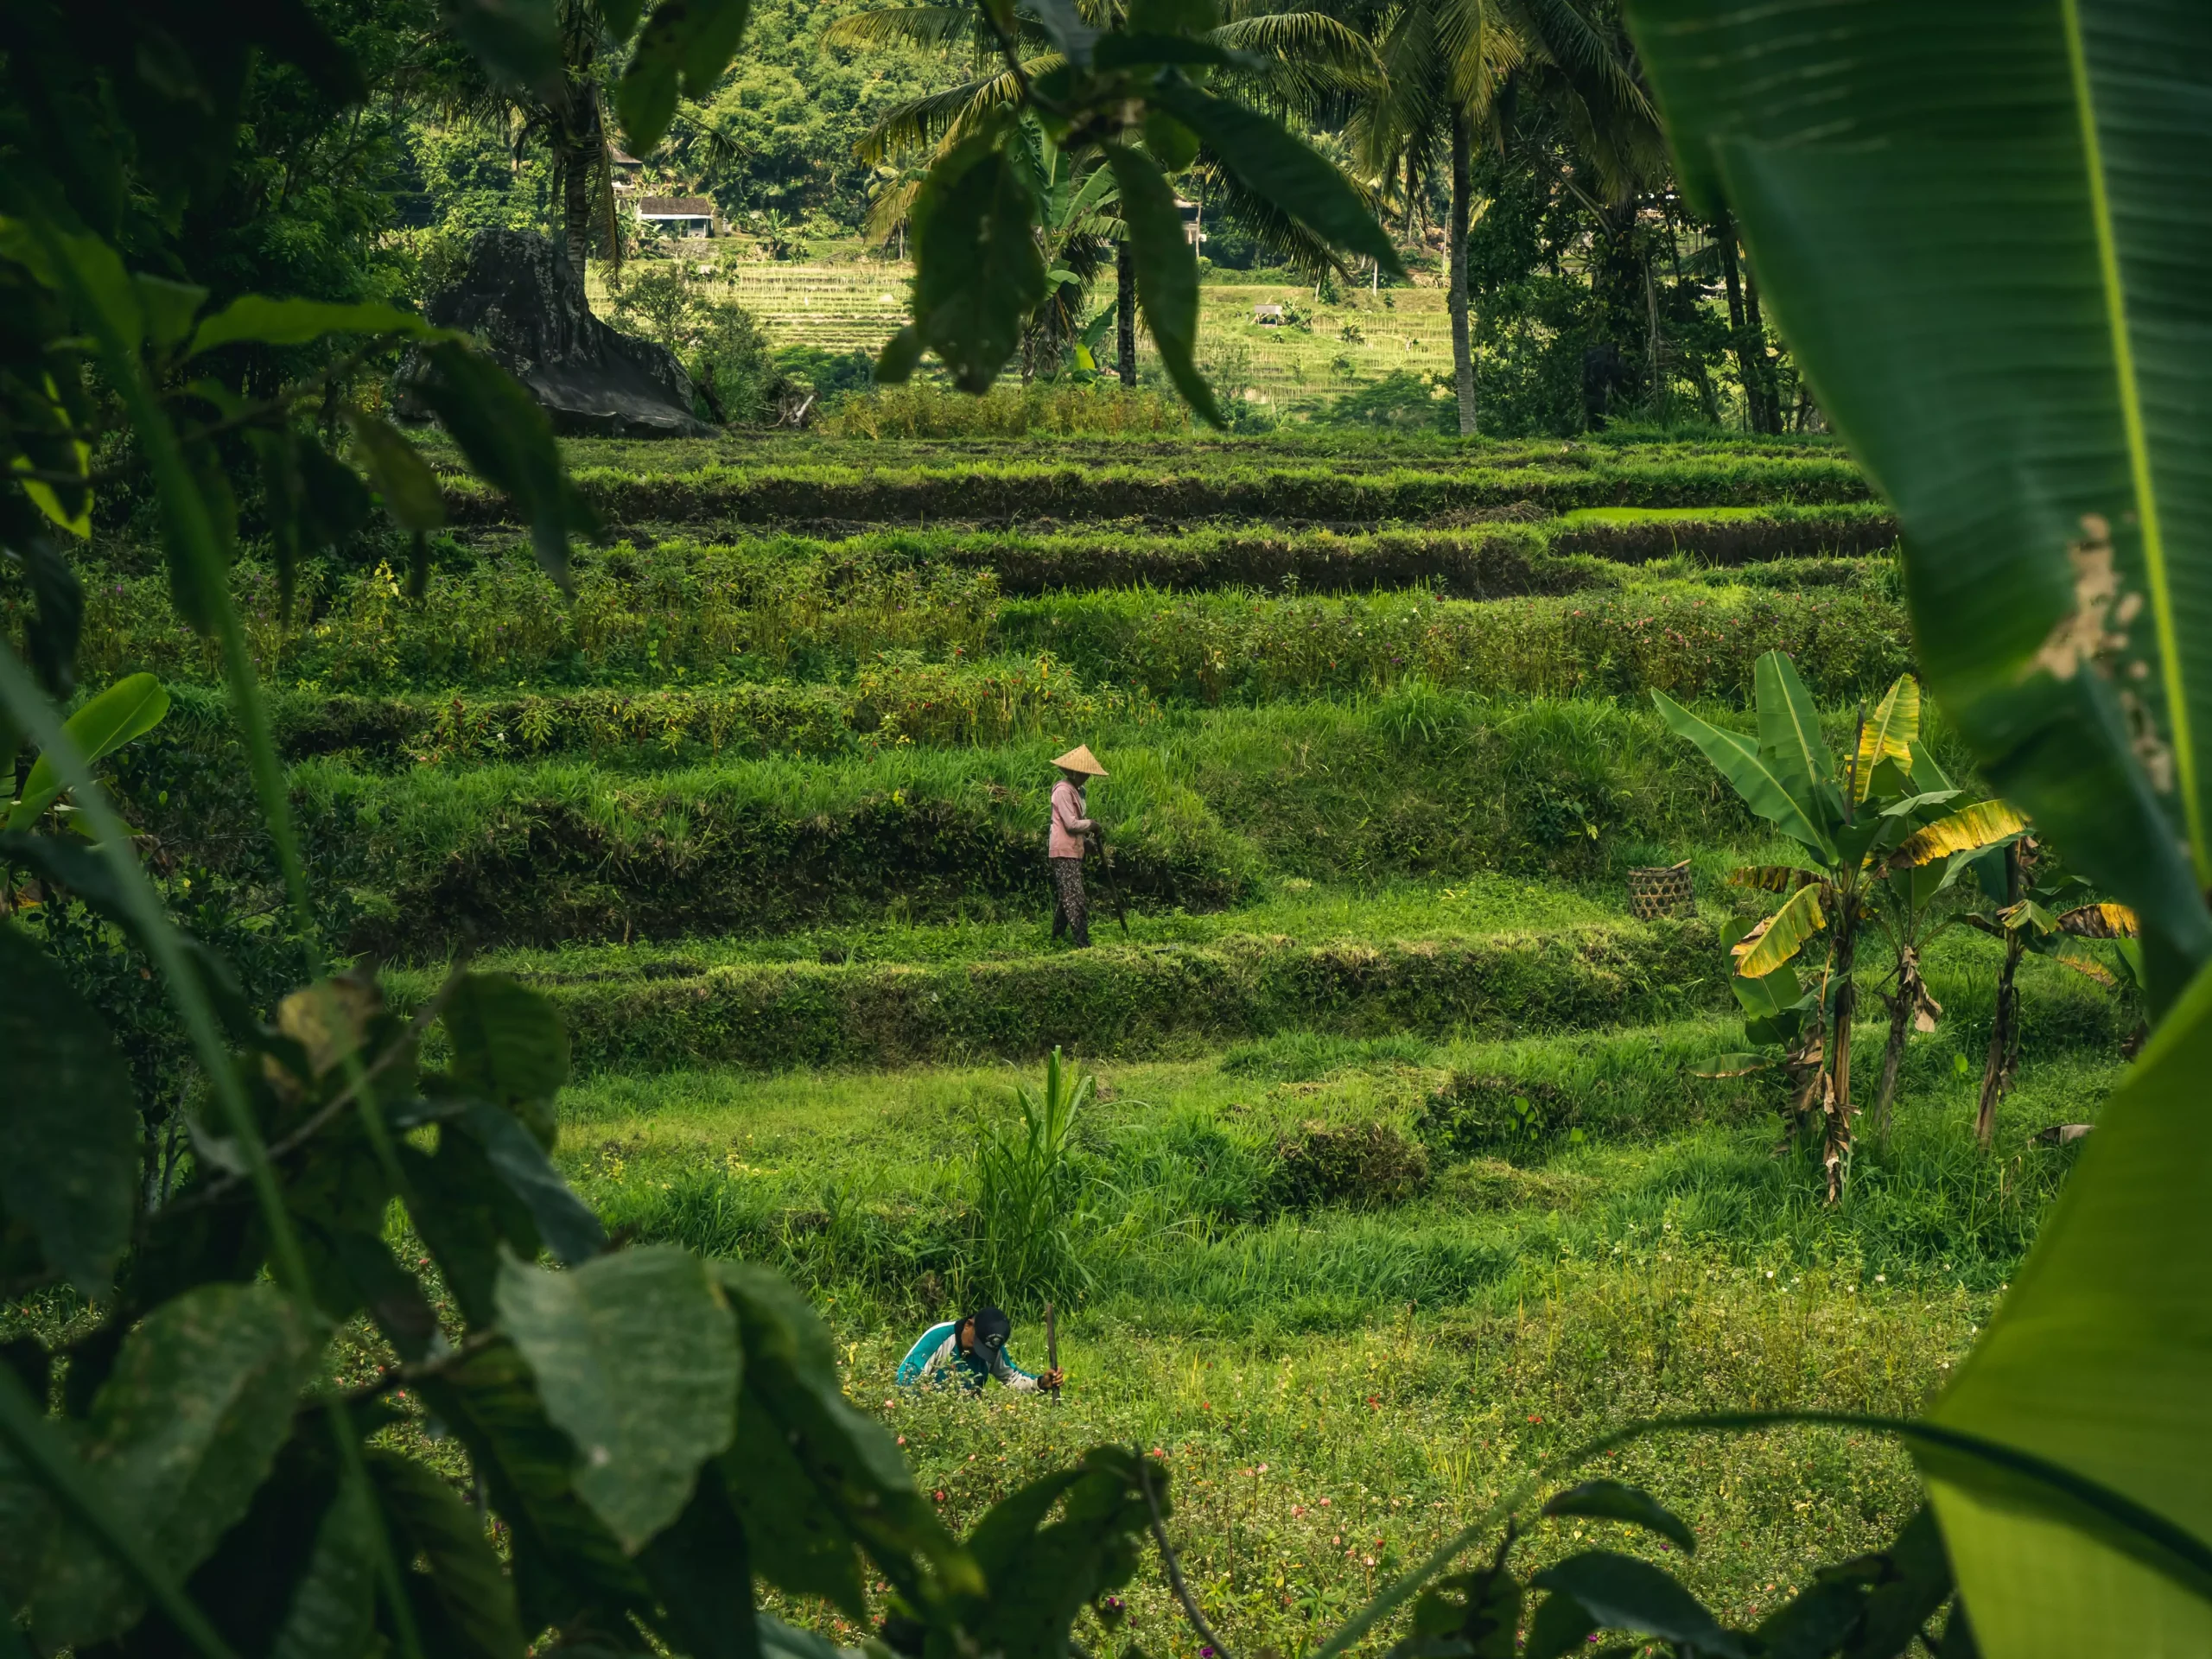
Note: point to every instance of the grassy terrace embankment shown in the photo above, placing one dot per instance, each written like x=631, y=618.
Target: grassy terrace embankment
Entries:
x=1403, y=1178
x=854, y=483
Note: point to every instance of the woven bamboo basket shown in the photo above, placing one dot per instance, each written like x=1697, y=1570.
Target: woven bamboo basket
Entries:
x=1661, y=890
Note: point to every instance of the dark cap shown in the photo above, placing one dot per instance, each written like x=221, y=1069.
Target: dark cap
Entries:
x=992, y=1327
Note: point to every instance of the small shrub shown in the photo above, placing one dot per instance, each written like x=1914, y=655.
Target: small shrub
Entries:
x=1365, y=1165
x=1511, y=1117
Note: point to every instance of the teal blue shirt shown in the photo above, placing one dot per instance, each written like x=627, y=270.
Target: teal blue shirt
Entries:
x=938, y=1357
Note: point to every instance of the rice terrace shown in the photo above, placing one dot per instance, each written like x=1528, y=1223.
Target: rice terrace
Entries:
x=1052, y=831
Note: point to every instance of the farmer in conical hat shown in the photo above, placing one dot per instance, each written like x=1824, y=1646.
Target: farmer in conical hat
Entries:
x=1067, y=841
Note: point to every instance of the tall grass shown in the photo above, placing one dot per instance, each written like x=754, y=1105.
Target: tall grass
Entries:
x=1028, y=1191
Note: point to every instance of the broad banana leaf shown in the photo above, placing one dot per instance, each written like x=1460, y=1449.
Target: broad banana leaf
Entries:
x=2100, y=922
x=1778, y=940
x=1791, y=739
x=1752, y=775
x=1973, y=829
x=1888, y=735
x=130, y=709
x=1985, y=226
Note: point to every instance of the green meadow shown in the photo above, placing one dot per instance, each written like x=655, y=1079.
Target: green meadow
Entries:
x=1411, y=1166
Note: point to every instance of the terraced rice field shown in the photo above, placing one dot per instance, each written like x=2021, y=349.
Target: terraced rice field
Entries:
x=1402, y=1176
x=1364, y=336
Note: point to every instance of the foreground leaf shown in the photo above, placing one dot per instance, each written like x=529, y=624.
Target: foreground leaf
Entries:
x=1611, y=1500
x=690, y=40
x=70, y=1120
x=186, y=1427
x=1622, y=1593
x=2096, y=1360
x=638, y=1362
x=1279, y=169
x=1167, y=272
x=265, y=322
x=1968, y=205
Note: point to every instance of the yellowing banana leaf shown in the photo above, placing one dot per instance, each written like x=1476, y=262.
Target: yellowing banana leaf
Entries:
x=1970, y=829
x=1888, y=735
x=1780, y=937
x=1750, y=773
x=1772, y=877
x=2100, y=922
x=2072, y=956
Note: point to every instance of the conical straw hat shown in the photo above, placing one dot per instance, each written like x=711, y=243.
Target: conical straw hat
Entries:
x=1080, y=759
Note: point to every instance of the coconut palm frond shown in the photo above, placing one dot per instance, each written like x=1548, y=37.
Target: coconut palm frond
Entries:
x=890, y=210
x=1312, y=38
x=1265, y=223
x=941, y=119
x=1480, y=46
x=922, y=26
x=1594, y=58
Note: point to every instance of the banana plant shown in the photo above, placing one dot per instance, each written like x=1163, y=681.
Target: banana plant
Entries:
x=1983, y=228
x=1887, y=798
x=127, y=711
x=2033, y=904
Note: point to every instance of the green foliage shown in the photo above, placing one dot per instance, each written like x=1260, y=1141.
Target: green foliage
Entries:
x=1028, y=1191
x=731, y=366
x=2054, y=621
x=1290, y=487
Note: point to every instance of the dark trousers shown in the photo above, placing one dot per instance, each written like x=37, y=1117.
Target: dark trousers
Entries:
x=1071, y=915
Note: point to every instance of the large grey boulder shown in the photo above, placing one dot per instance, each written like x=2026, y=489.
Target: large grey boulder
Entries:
x=523, y=298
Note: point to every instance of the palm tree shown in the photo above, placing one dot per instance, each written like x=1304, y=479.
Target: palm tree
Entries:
x=1292, y=63
x=1457, y=71
x=567, y=113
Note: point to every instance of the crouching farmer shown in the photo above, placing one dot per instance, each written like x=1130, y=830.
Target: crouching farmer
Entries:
x=968, y=1352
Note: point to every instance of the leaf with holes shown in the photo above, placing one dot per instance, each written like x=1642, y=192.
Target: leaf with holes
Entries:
x=638, y=1363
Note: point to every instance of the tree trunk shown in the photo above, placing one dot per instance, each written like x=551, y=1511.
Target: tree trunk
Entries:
x=1125, y=313
x=2005, y=1029
x=1835, y=1139
x=1893, y=1059
x=575, y=203
x=2004, y=1041
x=1463, y=352
x=1755, y=326
x=1738, y=332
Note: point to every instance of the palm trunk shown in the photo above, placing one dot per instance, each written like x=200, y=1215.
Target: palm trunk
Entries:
x=1463, y=352
x=1769, y=393
x=1739, y=332
x=575, y=205
x=1125, y=313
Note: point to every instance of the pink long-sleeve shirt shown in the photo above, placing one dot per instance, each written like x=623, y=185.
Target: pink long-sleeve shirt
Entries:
x=1069, y=825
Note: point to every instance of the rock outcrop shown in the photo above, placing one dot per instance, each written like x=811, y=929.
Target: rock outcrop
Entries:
x=523, y=298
